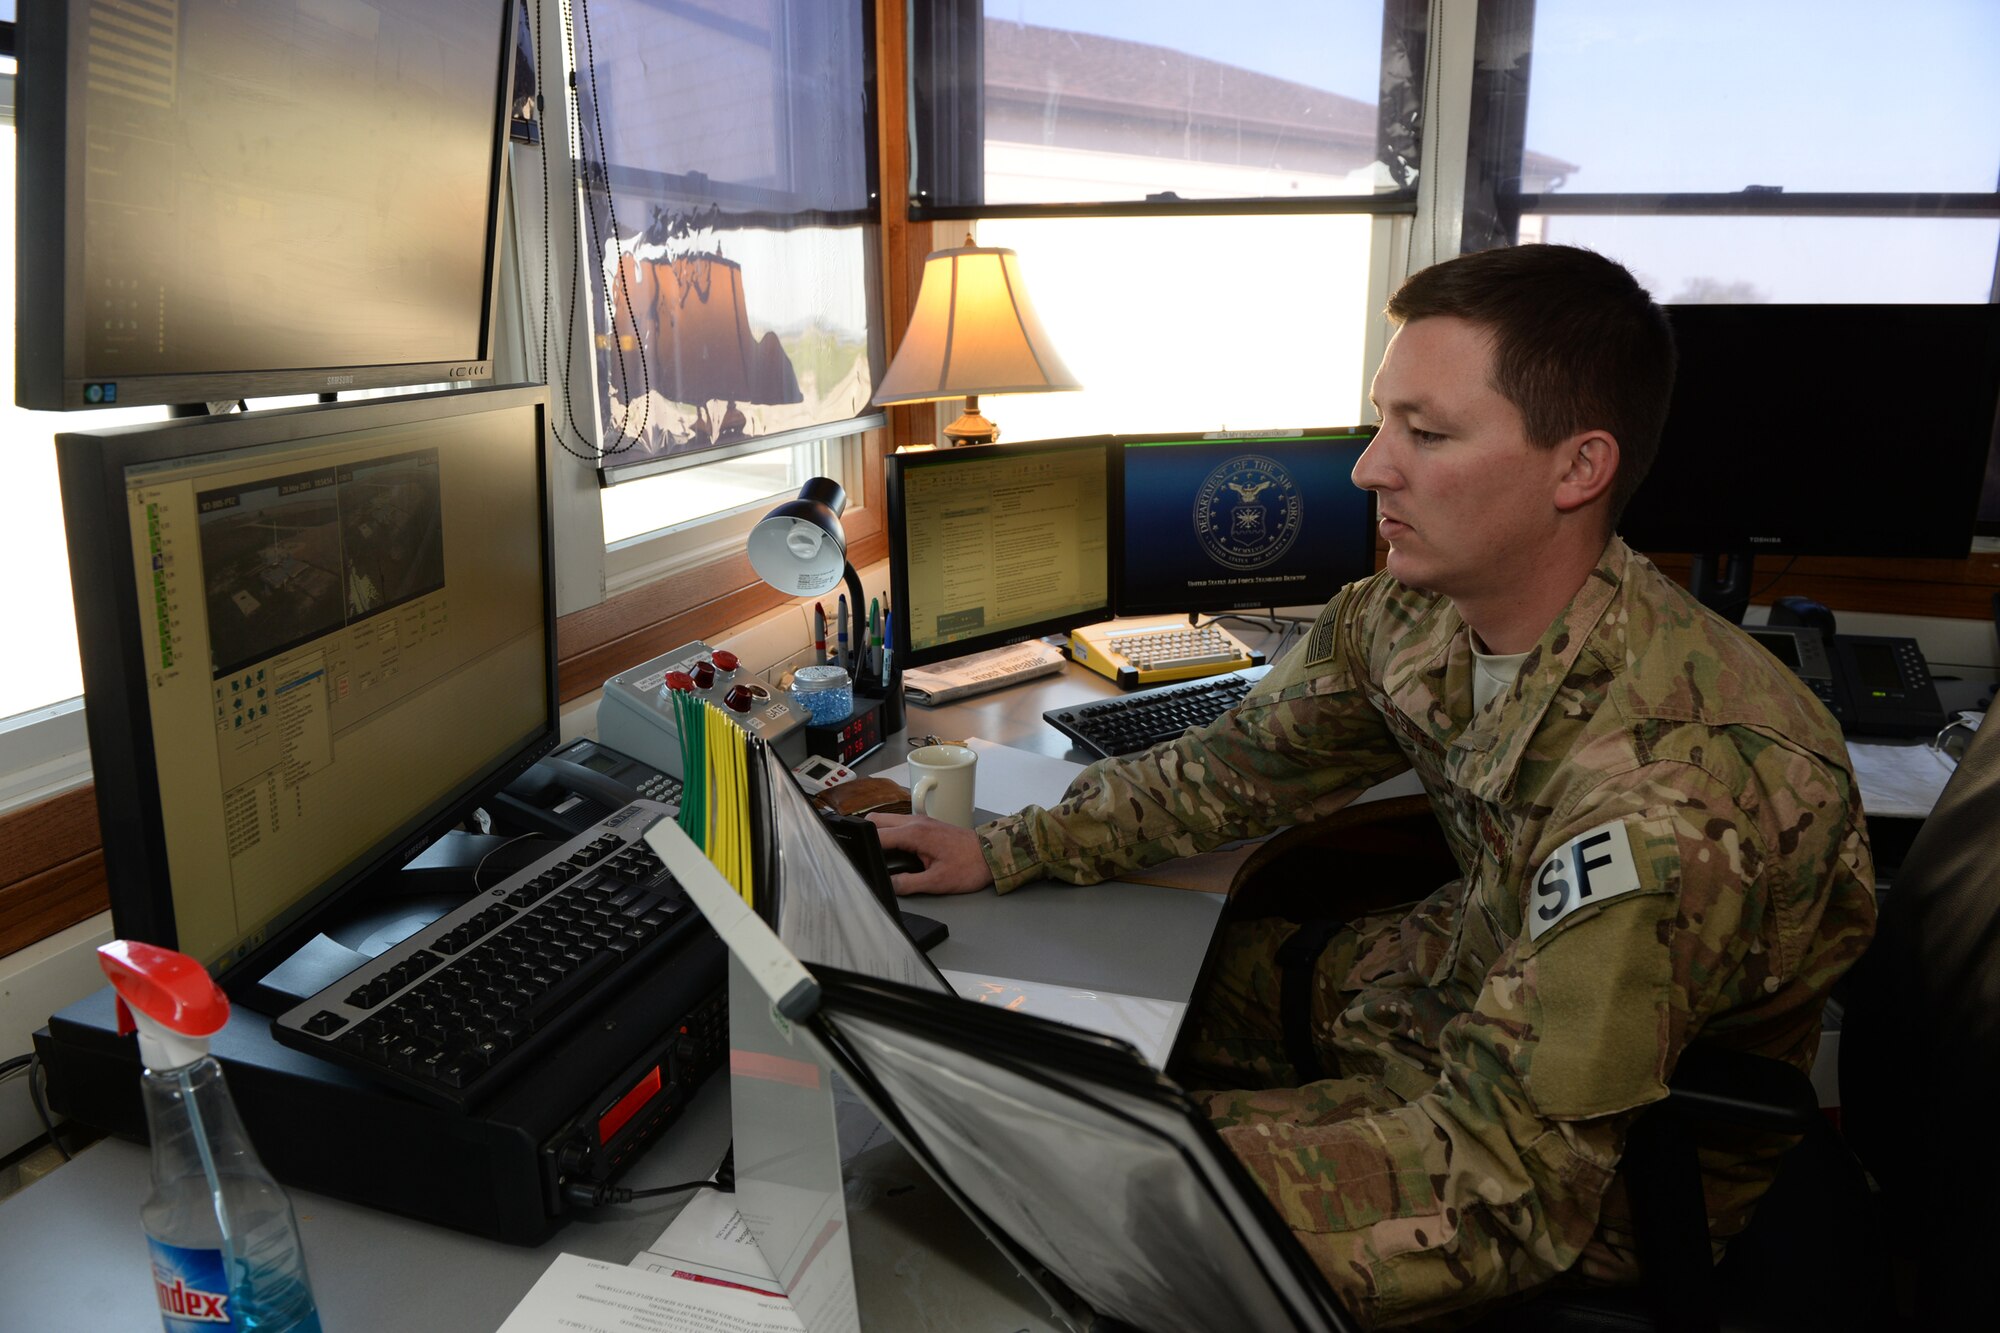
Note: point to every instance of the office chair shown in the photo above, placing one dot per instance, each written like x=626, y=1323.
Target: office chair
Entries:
x=1920, y=1050
x=1361, y=859
x=1811, y=1257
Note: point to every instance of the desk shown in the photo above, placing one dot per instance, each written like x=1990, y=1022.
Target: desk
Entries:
x=72, y=1256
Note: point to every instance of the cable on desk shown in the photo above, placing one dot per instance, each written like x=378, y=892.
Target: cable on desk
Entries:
x=33, y=1064
x=580, y=1195
x=1285, y=627
x=496, y=851
x=1773, y=581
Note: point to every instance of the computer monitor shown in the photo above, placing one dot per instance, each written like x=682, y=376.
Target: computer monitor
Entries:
x=312, y=639
x=1229, y=521
x=1847, y=430
x=995, y=544
x=230, y=198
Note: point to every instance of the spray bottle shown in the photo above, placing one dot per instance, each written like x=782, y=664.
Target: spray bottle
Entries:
x=226, y=1252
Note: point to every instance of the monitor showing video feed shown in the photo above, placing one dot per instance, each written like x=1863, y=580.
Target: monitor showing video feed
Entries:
x=312, y=639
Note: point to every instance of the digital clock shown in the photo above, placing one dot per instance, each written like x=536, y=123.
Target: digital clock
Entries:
x=854, y=737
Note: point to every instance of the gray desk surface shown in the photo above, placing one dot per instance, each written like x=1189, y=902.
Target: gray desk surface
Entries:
x=72, y=1255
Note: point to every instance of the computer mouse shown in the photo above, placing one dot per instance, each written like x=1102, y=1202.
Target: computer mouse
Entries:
x=902, y=861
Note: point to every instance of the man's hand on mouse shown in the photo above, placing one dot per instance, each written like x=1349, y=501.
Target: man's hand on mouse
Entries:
x=953, y=862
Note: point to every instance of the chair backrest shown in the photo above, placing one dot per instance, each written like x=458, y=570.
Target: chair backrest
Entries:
x=1920, y=1038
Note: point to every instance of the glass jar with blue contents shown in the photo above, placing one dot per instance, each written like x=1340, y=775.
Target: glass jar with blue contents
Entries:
x=825, y=692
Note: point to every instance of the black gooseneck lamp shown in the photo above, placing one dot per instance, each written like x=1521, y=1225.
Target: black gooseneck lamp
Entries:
x=799, y=549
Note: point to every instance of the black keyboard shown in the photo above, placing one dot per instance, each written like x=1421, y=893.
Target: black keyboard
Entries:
x=1133, y=722
x=463, y=1005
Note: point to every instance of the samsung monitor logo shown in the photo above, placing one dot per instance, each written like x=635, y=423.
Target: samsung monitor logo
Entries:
x=332, y=380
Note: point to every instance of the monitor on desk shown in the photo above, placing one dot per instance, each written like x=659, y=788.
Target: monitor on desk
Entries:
x=995, y=544
x=1841, y=430
x=1234, y=520
x=312, y=639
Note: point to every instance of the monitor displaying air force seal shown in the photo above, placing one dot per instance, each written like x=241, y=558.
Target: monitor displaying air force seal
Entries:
x=1232, y=521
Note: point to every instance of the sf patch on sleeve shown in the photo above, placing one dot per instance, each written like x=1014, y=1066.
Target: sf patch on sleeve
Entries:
x=1597, y=977
x=1590, y=868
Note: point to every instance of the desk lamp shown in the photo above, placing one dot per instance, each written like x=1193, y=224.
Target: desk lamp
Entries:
x=974, y=331
x=799, y=549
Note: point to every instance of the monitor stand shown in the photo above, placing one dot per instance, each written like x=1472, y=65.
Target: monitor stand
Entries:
x=387, y=912
x=1725, y=591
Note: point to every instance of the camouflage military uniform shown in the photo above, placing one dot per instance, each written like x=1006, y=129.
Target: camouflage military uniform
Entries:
x=1660, y=839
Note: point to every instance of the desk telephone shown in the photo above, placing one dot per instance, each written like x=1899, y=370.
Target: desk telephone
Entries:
x=579, y=785
x=1873, y=684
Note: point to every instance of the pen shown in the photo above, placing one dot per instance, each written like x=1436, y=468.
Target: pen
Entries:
x=874, y=635
x=840, y=627
x=860, y=643
x=819, y=634
x=888, y=643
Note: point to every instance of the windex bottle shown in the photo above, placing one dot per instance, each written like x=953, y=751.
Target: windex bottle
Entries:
x=226, y=1252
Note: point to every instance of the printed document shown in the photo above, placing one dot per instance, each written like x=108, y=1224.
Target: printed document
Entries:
x=597, y=1297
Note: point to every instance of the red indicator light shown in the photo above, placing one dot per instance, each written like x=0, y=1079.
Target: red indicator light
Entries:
x=628, y=1106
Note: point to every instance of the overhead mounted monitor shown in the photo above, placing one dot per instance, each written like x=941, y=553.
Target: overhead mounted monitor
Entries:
x=221, y=199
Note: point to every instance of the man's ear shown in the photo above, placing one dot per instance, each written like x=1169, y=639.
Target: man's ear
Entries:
x=1592, y=465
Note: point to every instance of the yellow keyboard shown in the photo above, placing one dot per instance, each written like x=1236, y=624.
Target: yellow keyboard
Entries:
x=1156, y=650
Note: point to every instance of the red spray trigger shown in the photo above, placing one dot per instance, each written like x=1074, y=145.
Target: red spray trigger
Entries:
x=170, y=988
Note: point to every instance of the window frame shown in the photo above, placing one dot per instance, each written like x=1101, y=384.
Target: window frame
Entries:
x=939, y=29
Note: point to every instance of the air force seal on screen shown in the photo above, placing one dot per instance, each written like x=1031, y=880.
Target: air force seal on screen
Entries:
x=1248, y=512
x=1589, y=868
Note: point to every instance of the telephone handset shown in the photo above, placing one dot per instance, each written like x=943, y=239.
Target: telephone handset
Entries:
x=572, y=789
x=1873, y=684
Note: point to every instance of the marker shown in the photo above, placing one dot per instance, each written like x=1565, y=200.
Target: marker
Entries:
x=840, y=627
x=874, y=635
x=888, y=643
x=819, y=634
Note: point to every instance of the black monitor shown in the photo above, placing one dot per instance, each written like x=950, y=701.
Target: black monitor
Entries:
x=312, y=639
x=230, y=198
x=996, y=544
x=1844, y=430
x=1230, y=521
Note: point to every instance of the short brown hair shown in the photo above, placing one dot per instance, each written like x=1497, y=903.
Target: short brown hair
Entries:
x=1577, y=344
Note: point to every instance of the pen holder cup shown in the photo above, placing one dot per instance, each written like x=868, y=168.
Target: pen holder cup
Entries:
x=890, y=692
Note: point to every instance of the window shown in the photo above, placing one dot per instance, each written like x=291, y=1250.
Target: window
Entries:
x=1786, y=152
x=663, y=525
x=1195, y=323
x=1203, y=209
x=1858, y=168
x=1100, y=105
x=43, y=668
x=727, y=237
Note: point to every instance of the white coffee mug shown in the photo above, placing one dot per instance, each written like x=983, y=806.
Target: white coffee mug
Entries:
x=941, y=781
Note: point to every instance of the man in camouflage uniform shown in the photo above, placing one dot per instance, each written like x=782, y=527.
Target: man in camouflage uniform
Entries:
x=1659, y=832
